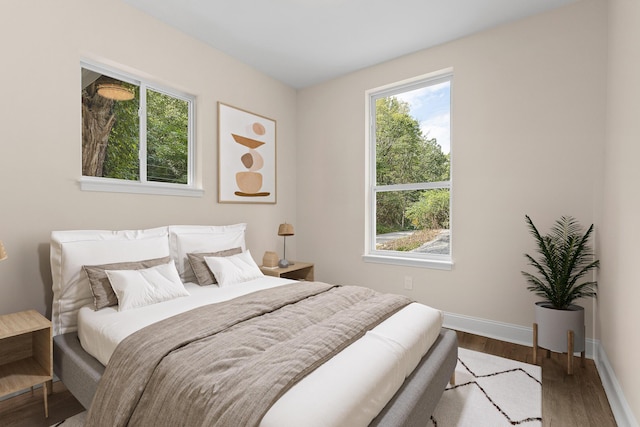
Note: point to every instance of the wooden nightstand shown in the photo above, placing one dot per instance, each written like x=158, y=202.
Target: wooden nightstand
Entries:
x=297, y=271
x=26, y=353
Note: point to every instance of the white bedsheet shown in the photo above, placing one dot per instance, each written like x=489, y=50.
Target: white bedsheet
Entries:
x=350, y=389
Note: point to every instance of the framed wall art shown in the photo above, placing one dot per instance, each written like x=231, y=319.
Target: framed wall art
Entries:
x=246, y=156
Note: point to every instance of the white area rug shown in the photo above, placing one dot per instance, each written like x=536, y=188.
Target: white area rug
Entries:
x=491, y=391
x=75, y=421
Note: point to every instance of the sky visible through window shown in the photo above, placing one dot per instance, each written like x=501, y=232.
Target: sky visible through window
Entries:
x=431, y=107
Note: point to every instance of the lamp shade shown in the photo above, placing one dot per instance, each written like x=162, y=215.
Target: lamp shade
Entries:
x=3, y=252
x=285, y=230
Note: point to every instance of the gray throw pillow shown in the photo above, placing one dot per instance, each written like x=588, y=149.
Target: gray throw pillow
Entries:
x=200, y=268
x=103, y=295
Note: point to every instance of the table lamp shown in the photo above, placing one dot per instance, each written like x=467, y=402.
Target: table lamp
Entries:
x=3, y=252
x=285, y=230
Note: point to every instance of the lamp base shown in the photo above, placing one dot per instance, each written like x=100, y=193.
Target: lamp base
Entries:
x=283, y=263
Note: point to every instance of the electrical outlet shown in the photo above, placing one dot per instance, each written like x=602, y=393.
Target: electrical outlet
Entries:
x=408, y=282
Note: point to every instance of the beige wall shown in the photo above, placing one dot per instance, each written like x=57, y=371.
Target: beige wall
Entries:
x=529, y=109
x=40, y=147
x=620, y=291
x=528, y=127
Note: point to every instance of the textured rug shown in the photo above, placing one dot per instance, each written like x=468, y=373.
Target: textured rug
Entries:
x=75, y=421
x=490, y=391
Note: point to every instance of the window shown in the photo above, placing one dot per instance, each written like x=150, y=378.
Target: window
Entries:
x=408, y=214
x=136, y=136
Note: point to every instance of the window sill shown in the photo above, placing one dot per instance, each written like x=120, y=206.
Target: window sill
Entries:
x=409, y=262
x=122, y=186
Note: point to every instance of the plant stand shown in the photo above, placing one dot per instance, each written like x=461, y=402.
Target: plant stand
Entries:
x=570, y=346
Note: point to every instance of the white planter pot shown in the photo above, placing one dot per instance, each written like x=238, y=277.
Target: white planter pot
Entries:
x=553, y=325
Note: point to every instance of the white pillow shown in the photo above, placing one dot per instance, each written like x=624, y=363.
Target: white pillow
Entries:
x=233, y=269
x=184, y=239
x=72, y=249
x=137, y=288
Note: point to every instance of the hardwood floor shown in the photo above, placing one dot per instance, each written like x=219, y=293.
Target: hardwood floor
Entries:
x=567, y=400
x=26, y=410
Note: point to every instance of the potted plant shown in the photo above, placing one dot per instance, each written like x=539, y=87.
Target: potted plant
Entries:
x=564, y=258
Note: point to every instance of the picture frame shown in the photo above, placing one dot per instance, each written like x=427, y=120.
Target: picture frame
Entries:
x=247, y=162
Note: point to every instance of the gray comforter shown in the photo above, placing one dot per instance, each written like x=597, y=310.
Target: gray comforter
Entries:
x=225, y=364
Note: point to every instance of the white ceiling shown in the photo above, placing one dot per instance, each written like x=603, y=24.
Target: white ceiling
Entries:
x=304, y=42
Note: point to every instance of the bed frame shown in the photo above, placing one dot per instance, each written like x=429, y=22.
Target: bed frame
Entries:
x=412, y=405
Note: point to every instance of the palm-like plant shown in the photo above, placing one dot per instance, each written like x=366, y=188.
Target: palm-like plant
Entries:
x=565, y=257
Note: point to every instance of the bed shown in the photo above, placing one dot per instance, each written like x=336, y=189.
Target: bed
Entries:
x=356, y=385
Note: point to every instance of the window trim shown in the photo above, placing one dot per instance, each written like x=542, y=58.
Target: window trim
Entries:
x=411, y=259
x=143, y=186
x=113, y=185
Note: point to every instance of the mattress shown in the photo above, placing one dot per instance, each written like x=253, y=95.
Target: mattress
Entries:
x=350, y=389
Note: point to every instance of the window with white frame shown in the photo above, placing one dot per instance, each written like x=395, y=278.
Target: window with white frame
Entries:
x=136, y=135
x=408, y=214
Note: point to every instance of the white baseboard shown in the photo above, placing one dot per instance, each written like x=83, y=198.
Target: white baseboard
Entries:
x=619, y=405
x=502, y=331
x=524, y=336
x=26, y=390
x=489, y=328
